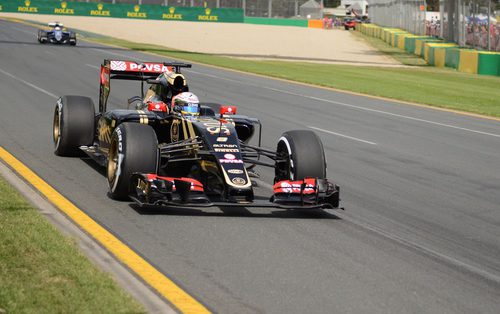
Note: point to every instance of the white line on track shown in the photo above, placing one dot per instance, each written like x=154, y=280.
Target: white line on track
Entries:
x=29, y=84
x=92, y=66
x=342, y=135
x=49, y=52
x=352, y=106
x=384, y=112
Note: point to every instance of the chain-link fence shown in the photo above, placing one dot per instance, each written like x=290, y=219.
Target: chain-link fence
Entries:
x=405, y=14
x=471, y=23
x=253, y=8
x=467, y=22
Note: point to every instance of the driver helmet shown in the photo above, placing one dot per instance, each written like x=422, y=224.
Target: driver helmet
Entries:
x=186, y=103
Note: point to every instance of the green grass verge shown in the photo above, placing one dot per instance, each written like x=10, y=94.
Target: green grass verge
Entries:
x=445, y=88
x=42, y=271
x=399, y=55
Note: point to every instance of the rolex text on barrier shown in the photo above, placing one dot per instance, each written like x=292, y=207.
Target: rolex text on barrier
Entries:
x=152, y=12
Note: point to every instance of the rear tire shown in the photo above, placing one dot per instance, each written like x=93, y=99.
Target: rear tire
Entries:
x=72, y=39
x=134, y=148
x=305, y=156
x=73, y=125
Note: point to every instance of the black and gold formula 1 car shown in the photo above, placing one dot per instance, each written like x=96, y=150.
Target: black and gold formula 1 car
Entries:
x=156, y=156
x=57, y=34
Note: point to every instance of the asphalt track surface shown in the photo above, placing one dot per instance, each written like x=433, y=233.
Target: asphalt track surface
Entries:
x=421, y=189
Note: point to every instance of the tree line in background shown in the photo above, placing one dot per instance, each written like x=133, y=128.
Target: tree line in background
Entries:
x=432, y=5
x=331, y=3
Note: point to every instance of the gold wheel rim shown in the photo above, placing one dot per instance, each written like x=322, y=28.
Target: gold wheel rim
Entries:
x=57, y=127
x=112, y=162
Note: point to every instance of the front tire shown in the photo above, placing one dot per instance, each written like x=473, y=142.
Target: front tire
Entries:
x=304, y=156
x=73, y=124
x=134, y=148
x=42, y=36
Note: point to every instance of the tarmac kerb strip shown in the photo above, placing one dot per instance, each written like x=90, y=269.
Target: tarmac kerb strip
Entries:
x=166, y=287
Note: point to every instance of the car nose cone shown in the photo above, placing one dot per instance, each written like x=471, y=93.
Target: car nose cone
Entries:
x=58, y=35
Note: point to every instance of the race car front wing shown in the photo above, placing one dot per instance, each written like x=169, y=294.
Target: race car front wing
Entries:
x=149, y=190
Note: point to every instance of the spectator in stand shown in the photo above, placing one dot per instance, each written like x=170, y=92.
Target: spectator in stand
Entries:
x=496, y=47
x=335, y=22
x=469, y=38
x=484, y=37
x=477, y=34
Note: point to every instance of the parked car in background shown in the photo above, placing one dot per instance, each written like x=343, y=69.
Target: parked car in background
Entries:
x=349, y=23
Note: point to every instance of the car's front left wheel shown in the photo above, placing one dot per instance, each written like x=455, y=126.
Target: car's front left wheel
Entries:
x=133, y=148
x=302, y=155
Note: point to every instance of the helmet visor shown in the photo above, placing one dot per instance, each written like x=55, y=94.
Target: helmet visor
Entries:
x=190, y=109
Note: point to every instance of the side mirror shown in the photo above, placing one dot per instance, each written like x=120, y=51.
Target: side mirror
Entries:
x=133, y=99
x=227, y=110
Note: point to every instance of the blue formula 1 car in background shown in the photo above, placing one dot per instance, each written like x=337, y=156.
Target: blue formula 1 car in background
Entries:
x=57, y=34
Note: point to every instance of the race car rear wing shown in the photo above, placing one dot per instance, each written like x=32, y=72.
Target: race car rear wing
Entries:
x=131, y=70
x=56, y=24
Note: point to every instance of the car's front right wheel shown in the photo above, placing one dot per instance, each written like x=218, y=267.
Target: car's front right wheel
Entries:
x=73, y=124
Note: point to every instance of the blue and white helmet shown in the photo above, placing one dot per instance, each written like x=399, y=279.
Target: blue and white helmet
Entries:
x=186, y=103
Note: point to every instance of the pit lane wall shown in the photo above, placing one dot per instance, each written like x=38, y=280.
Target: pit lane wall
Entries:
x=152, y=12
x=437, y=52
